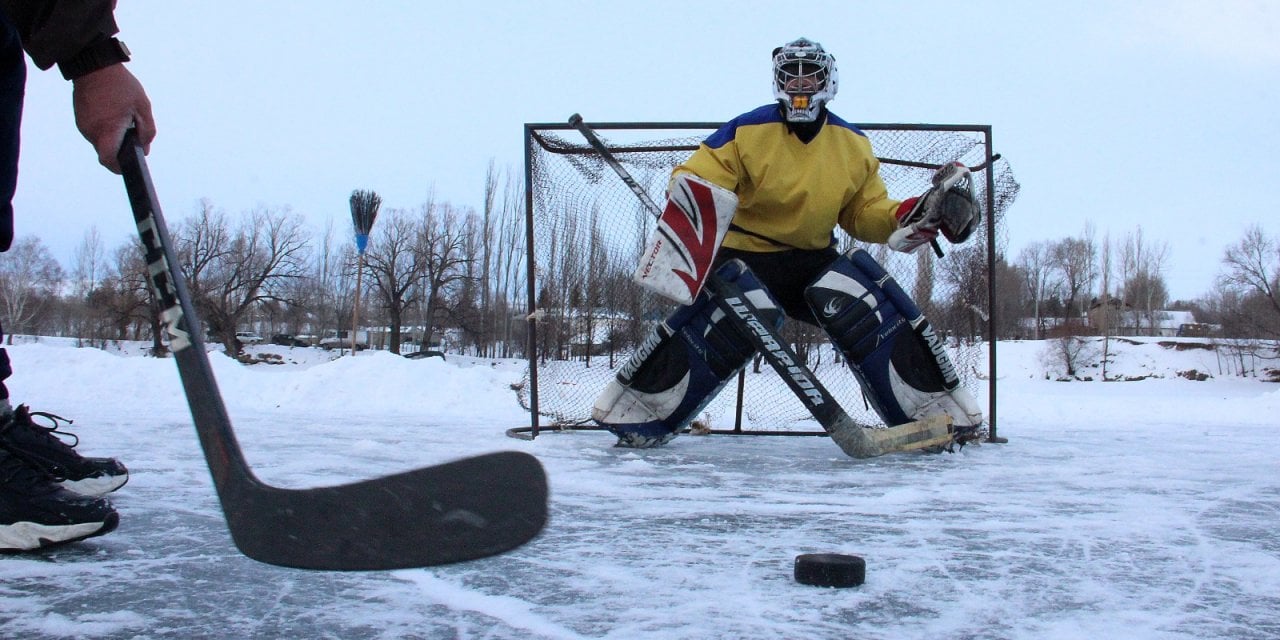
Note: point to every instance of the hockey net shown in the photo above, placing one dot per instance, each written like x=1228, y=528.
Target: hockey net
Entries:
x=587, y=230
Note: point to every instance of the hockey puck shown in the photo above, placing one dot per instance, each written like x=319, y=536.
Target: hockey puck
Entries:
x=830, y=570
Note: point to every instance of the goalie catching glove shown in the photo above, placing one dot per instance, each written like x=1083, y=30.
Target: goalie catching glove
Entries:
x=948, y=206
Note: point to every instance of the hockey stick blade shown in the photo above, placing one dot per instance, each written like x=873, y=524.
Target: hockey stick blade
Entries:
x=456, y=511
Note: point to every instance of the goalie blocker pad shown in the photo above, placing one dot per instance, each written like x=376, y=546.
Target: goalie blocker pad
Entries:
x=684, y=244
x=681, y=366
x=899, y=360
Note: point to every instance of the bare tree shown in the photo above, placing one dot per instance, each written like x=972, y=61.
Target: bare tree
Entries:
x=89, y=264
x=331, y=294
x=1070, y=351
x=596, y=281
x=1141, y=268
x=463, y=309
x=1073, y=259
x=397, y=265
x=444, y=260
x=1010, y=303
x=126, y=301
x=489, y=305
x=296, y=311
x=1253, y=272
x=1038, y=281
x=256, y=272
x=508, y=270
x=487, y=237
x=231, y=272
x=1104, y=318
x=88, y=271
x=29, y=278
x=1142, y=265
x=964, y=272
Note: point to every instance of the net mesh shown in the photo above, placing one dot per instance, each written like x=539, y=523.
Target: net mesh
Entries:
x=588, y=231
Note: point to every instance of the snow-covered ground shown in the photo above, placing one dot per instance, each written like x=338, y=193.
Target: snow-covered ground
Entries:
x=1133, y=510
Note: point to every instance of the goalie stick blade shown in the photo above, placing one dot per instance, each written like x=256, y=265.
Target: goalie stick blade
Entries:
x=857, y=441
x=461, y=510
x=933, y=431
x=852, y=438
x=452, y=512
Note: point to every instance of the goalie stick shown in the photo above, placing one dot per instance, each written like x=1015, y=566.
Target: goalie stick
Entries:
x=451, y=512
x=855, y=440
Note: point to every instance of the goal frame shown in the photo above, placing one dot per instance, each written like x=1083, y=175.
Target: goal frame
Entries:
x=533, y=136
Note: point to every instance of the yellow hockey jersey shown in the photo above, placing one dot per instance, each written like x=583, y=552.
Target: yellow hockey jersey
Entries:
x=791, y=192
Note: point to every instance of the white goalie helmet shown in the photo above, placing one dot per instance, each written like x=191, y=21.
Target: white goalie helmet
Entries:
x=804, y=79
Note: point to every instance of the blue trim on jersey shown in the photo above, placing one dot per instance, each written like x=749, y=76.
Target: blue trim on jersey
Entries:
x=767, y=114
x=727, y=132
x=835, y=120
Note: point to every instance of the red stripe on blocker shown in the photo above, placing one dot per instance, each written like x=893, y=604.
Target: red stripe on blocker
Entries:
x=696, y=230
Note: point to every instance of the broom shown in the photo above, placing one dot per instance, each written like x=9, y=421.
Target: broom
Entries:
x=364, y=210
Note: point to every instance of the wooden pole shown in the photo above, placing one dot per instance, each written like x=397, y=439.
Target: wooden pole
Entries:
x=355, y=309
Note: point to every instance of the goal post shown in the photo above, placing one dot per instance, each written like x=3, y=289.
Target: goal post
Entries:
x=585, y=233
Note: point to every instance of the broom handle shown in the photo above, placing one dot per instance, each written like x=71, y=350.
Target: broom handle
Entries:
x=355, y=310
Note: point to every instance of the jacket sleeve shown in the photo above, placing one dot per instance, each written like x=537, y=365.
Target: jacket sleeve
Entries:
x=717, y=159
x=719, y=165
x=871, y=215
x=56, y=30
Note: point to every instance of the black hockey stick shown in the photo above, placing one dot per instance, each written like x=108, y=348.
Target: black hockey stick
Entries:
x=854, y=439
x=456, y=511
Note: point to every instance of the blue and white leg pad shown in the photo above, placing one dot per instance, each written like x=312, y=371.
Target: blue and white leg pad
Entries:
x=894, y=352
x=681, y=366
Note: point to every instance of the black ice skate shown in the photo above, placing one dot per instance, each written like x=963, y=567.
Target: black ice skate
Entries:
x=39, y=446
x=36, y=512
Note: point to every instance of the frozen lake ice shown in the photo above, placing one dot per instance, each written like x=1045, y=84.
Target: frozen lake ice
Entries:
x=1129, y=509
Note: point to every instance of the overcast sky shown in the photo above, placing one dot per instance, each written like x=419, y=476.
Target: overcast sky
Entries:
x=1120, y=114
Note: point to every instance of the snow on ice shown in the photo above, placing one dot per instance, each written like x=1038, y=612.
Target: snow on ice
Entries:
x=1142, y=509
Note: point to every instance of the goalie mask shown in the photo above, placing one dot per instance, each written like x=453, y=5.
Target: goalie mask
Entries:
x=804, y=79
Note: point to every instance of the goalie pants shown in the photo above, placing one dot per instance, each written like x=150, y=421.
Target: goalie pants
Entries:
x=785, y=274
x=891, y=348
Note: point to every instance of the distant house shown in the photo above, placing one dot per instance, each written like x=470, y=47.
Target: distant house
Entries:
x=1029, y=327
x=1109, y=314
x=596, y=332
x=1170, y=323
x=1123, y=320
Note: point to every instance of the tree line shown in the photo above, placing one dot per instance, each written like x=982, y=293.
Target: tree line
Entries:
x=436, y=268
x=1082, y=285
x=428, y=268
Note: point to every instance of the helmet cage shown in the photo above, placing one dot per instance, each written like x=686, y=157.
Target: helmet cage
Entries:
x=804, y=79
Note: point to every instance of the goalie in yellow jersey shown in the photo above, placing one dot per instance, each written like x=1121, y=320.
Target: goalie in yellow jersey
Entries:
x=796, y=172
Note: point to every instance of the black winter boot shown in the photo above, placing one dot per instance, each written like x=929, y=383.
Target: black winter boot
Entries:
x=39, y=446
x=35, y=512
